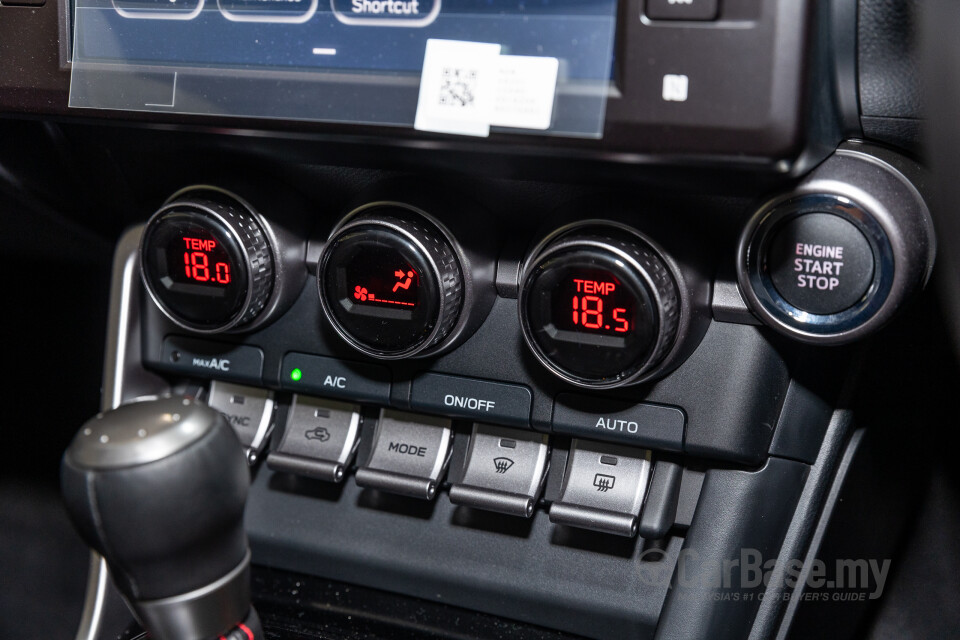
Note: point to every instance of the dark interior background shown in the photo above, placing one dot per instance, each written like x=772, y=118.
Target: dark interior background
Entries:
x=65, y=197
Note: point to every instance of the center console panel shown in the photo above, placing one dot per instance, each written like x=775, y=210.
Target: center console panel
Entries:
x=473, y=473
x=555, y=380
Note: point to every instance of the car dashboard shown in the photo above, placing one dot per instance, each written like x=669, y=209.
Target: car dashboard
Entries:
x=541, y=320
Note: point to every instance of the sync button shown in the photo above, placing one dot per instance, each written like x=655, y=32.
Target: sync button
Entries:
x=249, y=410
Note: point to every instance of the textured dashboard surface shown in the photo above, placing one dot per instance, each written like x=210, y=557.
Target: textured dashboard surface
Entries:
x=889, y=58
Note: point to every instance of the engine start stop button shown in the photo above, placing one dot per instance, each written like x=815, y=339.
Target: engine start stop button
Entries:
x=820, y=263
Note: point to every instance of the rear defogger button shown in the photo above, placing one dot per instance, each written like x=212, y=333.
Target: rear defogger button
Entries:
x=409, y=454
x=603, y=488
x=820, y=263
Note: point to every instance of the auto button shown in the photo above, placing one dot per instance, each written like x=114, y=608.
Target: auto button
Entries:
x=319, y=440
x=409, y=454
x=504, y=471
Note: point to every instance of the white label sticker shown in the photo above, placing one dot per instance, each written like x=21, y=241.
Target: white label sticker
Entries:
x=466, y=87
x=525, y=90
x=455, y=87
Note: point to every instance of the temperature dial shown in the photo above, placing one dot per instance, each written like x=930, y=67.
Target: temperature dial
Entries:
x=599, y=307
x=390, y=282
x=207, y=263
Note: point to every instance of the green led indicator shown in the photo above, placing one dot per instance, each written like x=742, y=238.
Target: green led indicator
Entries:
x=296, y=374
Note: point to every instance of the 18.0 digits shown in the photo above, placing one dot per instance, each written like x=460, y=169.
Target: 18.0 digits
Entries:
x=197, y=263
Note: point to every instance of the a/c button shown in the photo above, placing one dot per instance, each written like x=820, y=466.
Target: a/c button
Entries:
x=479, y=400
x=331, y=378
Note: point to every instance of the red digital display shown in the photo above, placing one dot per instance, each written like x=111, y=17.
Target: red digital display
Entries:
x=591, y=301
x=589, y=310
x=204, y=261
x=195, y=268
x=390, y=287
x=382, y=291
x=588, y=313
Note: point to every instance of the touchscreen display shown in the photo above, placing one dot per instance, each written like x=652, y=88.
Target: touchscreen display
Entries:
x=463, y=67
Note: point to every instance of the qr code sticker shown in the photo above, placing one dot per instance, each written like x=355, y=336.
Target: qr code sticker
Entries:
x=458, y=87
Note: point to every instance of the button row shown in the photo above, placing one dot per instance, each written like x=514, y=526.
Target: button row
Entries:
x=503, y=469
x=367, y=13
x=642, y=424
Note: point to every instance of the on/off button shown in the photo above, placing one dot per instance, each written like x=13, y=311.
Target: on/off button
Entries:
x=480, y=400
x=820, y=263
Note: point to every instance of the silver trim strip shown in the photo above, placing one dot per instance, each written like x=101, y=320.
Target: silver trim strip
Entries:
x=96, y=593
x=264, y=429
x=123, y=380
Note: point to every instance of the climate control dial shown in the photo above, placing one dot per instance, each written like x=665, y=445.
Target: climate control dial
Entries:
x=207, y=262
x=391, y=282
x=599, y=306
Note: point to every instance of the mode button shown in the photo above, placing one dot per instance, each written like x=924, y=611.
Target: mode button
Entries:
x=408, y=456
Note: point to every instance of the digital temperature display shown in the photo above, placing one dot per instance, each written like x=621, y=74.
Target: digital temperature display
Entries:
x=204, y=259
x=195, y=267
x=595, y=302
x=589, y=314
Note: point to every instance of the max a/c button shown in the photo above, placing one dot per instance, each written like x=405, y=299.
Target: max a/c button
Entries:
x=479, y=400
x=202, y=359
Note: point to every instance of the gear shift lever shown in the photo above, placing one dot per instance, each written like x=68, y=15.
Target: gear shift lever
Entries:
x=158, y=488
